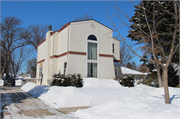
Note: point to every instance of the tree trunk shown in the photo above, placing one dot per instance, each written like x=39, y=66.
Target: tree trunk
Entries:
x=2, y=73
x=165, y=82
x=159, y=77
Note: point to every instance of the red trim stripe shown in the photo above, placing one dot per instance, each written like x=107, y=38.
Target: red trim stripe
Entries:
x=41, y=61
x=76, y=53
x=57, y=56
x=69, y=52
x=63, y=27
x=103, y=55
x=79, y=53
x=41, y=42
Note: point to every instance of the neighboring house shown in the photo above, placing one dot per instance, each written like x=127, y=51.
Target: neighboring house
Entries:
x=129, y=72
x=24, y=76
x=85, y=47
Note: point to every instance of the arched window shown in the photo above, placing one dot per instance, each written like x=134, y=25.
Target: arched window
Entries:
x=92, y=37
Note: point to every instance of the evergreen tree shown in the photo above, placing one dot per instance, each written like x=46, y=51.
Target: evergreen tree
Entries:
x=161, y=20
x=163, y=27
x=134, y=65
x=129, y=65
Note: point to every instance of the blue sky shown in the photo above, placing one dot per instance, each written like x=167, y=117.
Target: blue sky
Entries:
x=62, y=12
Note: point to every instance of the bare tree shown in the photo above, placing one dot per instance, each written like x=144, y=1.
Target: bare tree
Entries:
x=31, y=67
x=11, y=34
x=152, y=36
x=85, y=17
x=17, y=60
x=125, y=54
x=34, y=34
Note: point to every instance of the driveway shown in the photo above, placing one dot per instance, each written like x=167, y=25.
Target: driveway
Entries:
x=17, y=104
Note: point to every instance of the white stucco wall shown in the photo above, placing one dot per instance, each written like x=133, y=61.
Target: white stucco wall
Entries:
x=40, y=51
x=77, y=64
x=40, y=56
x=116, y=53
x=106, y=66
x=62, y=41
x=79, y=32
x=60, y=65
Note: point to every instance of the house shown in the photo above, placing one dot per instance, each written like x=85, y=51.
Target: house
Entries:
x=129, y=72
x=25, y=76
x=86, y=47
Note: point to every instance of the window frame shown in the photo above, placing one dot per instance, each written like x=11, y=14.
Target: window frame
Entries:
x=40, y=71
x=113, y=48
x=92, y=61
x=65, y=67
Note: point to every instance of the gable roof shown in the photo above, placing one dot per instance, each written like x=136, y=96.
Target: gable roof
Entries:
x=69, y=24
x=91, y=20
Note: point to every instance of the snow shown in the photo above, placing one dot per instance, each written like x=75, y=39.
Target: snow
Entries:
x=110, y=100
x=132, y=72
x=18, y=82
x=1, y=82
x=127, y=71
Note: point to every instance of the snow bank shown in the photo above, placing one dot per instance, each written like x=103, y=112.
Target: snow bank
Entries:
x=1, y=82
x=18, y=82
x=95, y=82
x=142, y=107
x=110, y=100
x=28, y=86
x=94, y=91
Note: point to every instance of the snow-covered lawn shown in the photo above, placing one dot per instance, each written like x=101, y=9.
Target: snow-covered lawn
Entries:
x=110, y=100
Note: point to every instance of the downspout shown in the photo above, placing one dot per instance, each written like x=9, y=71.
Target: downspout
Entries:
x=67, y=48
x=52, y=59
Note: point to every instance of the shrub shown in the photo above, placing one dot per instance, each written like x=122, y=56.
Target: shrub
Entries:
x=127, y=81
x=67, y=80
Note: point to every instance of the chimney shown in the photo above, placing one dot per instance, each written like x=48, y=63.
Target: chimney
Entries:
x=50, y=28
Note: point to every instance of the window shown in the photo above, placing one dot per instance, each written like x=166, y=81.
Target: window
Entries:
x=92, y=51
x=65, y=65
x=92, y=37
x=92, y=70
x=113, y=48
x=40, y=71
x=92, y=56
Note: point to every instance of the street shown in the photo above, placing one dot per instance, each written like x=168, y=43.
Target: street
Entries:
x=17, y=104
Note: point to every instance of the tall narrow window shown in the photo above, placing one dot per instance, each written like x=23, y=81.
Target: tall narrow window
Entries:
x=92, y=56
x=40, y=71
x=92, y=70
x=113, y=48
x=65, y=65
x=92, y=51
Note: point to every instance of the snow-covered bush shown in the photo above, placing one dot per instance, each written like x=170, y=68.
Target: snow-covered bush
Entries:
x=127, y=81
x=67, y=80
